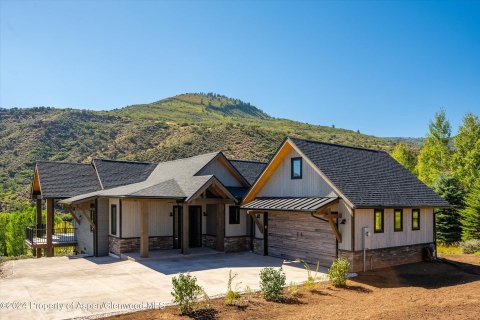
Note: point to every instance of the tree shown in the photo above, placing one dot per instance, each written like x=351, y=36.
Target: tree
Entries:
x=405, y=156
x=470, y=215
x=434, y=157
x=466, y=159
x=449, y=228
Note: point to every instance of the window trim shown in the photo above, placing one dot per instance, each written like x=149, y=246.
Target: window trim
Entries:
x=419, y=225
x=237, y=214
x=292, y=160
x=401, y=220
x=374, y=220
x=111, y=219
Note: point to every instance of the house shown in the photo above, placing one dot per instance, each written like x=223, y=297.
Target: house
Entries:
x=313, y=201
x=316, y=201
x=125, y=206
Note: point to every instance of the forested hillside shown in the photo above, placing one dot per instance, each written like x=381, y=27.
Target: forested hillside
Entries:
x=175, y=127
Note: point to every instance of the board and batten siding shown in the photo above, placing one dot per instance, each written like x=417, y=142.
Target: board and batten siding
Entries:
x=345, y=229
x=160, y=223
x=390, y=238
x=280, y=183
x=103, y=226
x=84, y=232
x=217, y=169
x=235, y=230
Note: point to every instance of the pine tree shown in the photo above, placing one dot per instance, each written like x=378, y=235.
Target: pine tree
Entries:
x=405, y=156
x=470, y=215
x=466, y=159
x=449, y=228
x=434, y=157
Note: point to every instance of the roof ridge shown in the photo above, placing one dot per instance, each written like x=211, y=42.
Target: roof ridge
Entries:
x=126, y=161
x=253, y=161
x=336, y=144
x=199, y=155
x=62, y=162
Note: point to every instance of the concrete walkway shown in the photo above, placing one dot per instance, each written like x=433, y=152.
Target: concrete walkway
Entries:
x=62, y=287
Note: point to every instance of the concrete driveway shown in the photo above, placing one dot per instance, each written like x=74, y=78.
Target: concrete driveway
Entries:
x=62, y=287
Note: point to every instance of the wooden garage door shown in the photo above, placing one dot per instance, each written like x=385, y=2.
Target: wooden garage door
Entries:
x=297, y=235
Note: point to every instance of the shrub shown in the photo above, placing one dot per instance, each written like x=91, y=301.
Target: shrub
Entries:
x=338, y=272
x=272, y=282
x=470, y=246
x=232, y=295
x=292, y=290
x=185, y=292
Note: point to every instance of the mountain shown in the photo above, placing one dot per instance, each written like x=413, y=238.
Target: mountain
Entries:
x=175, y=127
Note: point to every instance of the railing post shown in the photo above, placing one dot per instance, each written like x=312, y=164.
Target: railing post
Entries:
x=49, y=226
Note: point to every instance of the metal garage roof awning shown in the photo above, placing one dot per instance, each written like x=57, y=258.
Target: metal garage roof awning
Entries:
x=306, y=204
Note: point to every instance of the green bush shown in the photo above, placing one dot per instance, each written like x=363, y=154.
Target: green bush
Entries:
x=470, y=246
x=272, y=282
x=186, y=292
x=338, y=272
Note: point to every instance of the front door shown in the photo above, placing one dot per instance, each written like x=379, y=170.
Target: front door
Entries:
x=195, y=226
x=177, y=227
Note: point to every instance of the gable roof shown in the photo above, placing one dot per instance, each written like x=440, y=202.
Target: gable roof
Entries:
x=176, y=179
x=368, y=178
x=250, y=170
x=114, y=173
x=64, y=179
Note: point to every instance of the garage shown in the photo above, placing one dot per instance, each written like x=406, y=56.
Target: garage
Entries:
x=299, y=236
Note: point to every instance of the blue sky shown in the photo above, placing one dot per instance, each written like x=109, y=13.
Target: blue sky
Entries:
x=384, y=68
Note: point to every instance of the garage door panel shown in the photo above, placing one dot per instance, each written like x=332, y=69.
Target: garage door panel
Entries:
x=297, y=235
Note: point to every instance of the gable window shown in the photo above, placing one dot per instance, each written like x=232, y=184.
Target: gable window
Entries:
x=113, y=219
x=378, y=223
x=398, y=220
x=234, y=215
x=415, y=219
x=296, y=168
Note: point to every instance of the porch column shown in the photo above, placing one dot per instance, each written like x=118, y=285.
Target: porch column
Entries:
x=144, y=229
x=185, y=229
x=49, y=227
x=38, y=251
x=220, y=227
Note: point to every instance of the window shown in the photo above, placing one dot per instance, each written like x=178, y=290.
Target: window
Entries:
x=378, y=223
x=296, y=168
x=113, y=219
x=234, y=215
x=415, y=219
x=398, y=220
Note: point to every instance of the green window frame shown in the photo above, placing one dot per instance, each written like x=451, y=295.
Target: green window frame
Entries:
x=378, y=221
x=415, y=219
x=234, y=215
x=296, y=168
x=397, y=220
x=113, y=219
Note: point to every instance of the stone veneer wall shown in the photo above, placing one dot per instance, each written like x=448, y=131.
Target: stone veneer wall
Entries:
x=209, y=241
x=258, y=246
x=119, y=246
x=236, y=244
x=385, y=257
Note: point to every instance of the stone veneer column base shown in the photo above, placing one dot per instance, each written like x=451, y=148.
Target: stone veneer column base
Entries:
x=258, y=246
x=384, y=257
x=122, y=245
x=236, y=244
x=209, y=241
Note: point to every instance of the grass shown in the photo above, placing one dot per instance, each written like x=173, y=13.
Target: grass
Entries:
x=448, y=249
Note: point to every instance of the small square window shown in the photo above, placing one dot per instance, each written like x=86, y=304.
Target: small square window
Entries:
x=378, y=223
x=415, y=219
x=234, y=215
x=296, y=168
x=398, y=220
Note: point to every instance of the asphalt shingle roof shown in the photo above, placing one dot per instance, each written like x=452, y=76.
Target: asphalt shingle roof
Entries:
x=113, y=173
x=369, y=178
x=64, y=180
x=250, y=170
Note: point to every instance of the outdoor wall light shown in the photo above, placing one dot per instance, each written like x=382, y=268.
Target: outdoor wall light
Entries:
x=204, y=214
x=343, y=221
x=171, y=214
x=258, y=215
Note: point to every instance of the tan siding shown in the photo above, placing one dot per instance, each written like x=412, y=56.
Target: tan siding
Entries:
x=233, y=230
x=389, y=238
x=159, y=221
x=280, y=183
x=345, y=229
x=221, y=173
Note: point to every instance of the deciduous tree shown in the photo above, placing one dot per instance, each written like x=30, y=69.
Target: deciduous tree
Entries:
x=466, y=159
x=405, y=156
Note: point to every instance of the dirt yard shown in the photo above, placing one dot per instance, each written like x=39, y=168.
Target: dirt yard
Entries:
x=441, y=290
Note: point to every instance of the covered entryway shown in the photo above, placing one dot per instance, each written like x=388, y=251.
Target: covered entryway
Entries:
x=297, y=228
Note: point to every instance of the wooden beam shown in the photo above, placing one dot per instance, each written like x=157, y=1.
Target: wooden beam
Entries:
x=49, y=226
x=87, y=216
x=185, y=236
x=333, y=225
x=255, y=220
x=212, y=201
x=72, y=212
x=144, y=229
x=220, y=227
